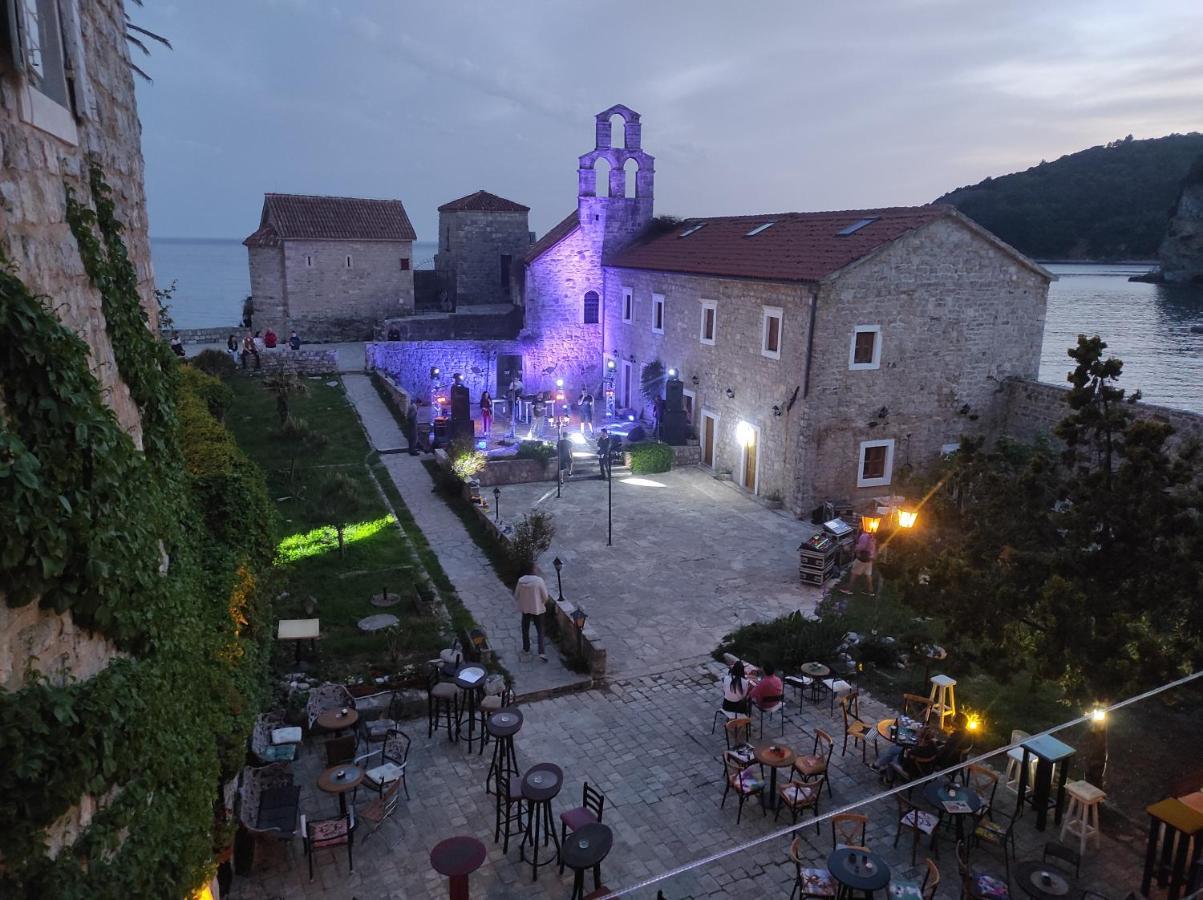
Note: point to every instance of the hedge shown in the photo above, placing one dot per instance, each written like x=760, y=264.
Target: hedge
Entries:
x=650, y=457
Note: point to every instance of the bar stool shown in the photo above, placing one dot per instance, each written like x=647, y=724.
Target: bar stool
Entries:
x=442, y=697
x=502, y=726
x=943, y=698
x=1082, y=817
x=540, y=785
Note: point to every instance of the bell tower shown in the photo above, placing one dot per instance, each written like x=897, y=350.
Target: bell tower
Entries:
x=605, y=210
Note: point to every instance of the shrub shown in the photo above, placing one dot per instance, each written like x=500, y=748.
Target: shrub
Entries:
x=787, y=642
x=650, y=457
x=214, y=362
x=532, y=536
x=467, y=464
x=217, y=395
x=540, y=450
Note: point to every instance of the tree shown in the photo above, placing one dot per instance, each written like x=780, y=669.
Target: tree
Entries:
x=533, y=534
x=285, y=386
x=339, y=502
x=297, y=438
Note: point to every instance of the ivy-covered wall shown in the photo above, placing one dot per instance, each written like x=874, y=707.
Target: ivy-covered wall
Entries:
x=159, y=550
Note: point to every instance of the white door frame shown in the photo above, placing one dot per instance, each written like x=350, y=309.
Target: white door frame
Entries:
x=743, y=462
x=714, y=420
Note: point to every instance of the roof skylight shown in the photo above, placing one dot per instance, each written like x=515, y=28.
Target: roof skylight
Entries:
x=691, y=229
x=856, y=226
x=759, y=228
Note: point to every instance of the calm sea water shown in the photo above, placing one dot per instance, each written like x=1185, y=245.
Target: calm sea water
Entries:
x=1145, y=325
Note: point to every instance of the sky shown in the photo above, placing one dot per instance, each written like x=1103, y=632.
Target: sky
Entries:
x=747, y=107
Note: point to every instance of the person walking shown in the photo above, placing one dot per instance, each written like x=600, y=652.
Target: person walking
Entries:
x=862, y=566
x=294, y=341
x=531, y=596
x=411, y=428
x=586, y=404
x=486, y=414
x=605, y=445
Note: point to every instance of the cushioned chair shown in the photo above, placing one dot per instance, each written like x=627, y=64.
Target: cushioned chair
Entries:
x=268, y=801
x=771, y=706
x=394, y=754
x=810, y=882
x=442, y=702
x=983, y=782
x=904, y=887
x=373, y=731
x=740, y=778
x=813, y=767
x=325, y=697
x=977, y=884
x=272, y=741
x=917, y=820
x=996, y=831
x=797, y=796
x=854, y=728
x=593, y=802
x=329, y=833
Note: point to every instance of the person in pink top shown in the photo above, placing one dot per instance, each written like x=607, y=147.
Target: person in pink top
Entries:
x=862, y=566
x=769, y=689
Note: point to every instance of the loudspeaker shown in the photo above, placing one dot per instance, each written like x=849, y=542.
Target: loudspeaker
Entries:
x=461, y=404
x=674, y=397
x=674, y=429
x=441, y=432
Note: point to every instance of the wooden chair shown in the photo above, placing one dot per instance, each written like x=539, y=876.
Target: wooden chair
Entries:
x=381, y=809
x=916, y=706
x=593, y=802
x=908, y=887
x=854, y=728
x=768, y=706
x=738, y=732
x=983, y=782
x=1015, y=762
x=917, y=820
x=978, y=885
x=814, y=767
x=797, y=796
x=736, y=777
x=848, y=830
x=809, y=882
x=329, y=833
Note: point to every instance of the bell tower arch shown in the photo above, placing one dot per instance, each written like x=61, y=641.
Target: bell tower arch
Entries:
x=605, y=209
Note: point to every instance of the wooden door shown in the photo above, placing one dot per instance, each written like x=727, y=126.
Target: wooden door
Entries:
x=708, y=427
x=749, y=463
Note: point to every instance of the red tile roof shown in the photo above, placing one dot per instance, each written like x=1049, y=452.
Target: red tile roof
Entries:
x=304, y=217
x=804, y=247
x=266, y=236
x=483, y=201
x=565, y=227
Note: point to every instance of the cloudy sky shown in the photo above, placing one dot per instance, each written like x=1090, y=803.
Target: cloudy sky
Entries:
x=747, y=107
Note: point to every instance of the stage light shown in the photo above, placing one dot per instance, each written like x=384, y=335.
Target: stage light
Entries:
x=559, y=382
x=480, y=445
x=434, y=371
x=610, y=364
x=630, y=418
x=745, y=434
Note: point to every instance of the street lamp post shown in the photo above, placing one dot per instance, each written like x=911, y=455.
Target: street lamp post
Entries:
x=559, y=564
x=609, y=508
x=497, y=505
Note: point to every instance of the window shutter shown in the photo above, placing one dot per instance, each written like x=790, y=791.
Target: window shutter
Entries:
x=10, y=36
x=73, y=53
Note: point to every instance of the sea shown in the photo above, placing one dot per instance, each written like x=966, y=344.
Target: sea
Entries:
x=1148, y=326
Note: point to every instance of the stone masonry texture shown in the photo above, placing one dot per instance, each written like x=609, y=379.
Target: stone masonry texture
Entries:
x=471, y=246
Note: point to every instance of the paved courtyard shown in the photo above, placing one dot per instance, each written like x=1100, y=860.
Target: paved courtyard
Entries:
x=645, y=743
x=693, y=558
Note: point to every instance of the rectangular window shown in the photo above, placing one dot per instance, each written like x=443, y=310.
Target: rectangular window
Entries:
x=770, y=332
x=709, y=322
x=505, y=269
x=348, y=262
x=405, y=264
x=51, y=77
x=628, y=305
x=865, y=351
x=876, y=464
x=657, y=314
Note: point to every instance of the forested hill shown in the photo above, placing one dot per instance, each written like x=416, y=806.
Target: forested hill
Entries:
x=1106, y=203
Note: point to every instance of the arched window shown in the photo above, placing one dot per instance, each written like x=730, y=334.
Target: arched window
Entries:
x=592, y=308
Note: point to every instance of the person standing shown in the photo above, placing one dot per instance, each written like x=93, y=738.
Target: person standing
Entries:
x=411, y=427
x=486, y=415
x=294, y=341
x=586, y=405
x=605, y=445
x=177, y=346
x=862, y=565
x=531, y=596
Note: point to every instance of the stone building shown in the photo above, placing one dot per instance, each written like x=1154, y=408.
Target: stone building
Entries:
x=330, y=268
x=482, y=239
x=64, y=98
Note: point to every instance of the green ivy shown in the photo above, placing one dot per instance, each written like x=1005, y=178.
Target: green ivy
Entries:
x=90, y=519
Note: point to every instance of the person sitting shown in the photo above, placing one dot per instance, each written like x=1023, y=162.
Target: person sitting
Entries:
x=269, y=339
x=294, y=341
x=958, y=744
x=394, y=333
x=736, y=688
x=769, y=689
x=177, y=346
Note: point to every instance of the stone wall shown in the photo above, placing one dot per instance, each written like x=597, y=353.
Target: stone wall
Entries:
x=206, y=335
x=36, y=239
x=958, y=316
x=1032, y=409
x=300, y=362
x=733, y=362
x=457, y=325
x=268, y=288
x=471, y=245
x=408, y=363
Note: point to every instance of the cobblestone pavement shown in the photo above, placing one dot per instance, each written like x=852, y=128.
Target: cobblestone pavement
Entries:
x=692, y=559
x=478, y=586
x=646, y=744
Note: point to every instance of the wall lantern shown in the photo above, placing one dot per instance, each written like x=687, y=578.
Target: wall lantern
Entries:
x=578, y=618
x=695, y=380
x=870, y=523
x=610, y=364
x=672, y=373
x=632, y=357
x=730, y=394
x=907, y=518
x=745, y=434
x=559, y=382
x=434, y=371
x=776, y=409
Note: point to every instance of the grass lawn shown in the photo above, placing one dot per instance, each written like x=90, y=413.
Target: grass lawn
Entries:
x=377, y=554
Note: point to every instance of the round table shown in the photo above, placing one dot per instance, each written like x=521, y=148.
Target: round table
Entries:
x=776, y=756
x=457, y=858
x=338, y=719
x=503, y=725
x=1030, y=877
x=883, y=729
x=857, y=870
x=816, y=671
x=471, y=680
x=339, y=780
x=937, y=793
x=585, y=849
x=540, y=785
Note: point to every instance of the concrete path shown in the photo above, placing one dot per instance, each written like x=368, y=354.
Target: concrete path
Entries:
x=478, y=586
